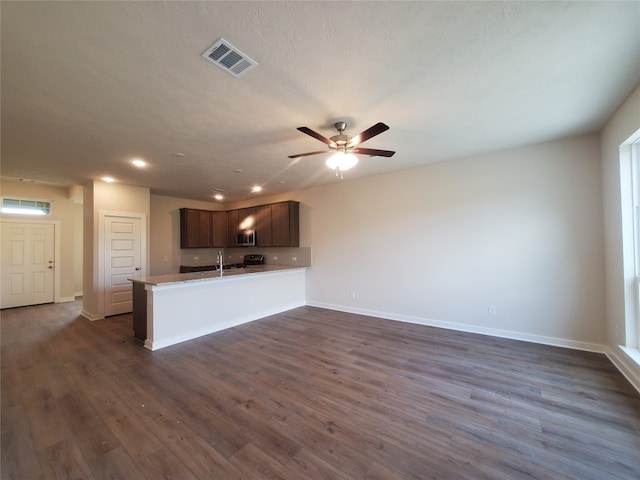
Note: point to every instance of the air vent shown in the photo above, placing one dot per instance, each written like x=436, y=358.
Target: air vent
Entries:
x=229, y=58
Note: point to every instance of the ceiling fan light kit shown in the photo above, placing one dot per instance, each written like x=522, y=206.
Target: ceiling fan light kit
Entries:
x=341, y=161
x=345, y=147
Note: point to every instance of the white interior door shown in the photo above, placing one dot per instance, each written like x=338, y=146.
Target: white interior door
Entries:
x=122, y=260
x=27, y=270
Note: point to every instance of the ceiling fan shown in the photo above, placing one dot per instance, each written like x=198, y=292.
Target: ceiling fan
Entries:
x=345, y=146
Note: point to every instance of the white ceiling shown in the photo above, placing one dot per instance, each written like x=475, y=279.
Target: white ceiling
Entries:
x=87, y=86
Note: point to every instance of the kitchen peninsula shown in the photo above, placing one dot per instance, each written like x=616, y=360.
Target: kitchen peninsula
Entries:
x=169, y=309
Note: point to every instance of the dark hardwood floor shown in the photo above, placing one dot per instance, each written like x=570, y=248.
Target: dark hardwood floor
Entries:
x=307, y=394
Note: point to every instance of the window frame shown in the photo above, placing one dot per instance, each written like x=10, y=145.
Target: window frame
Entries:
x=47, y=211
x=633, y=339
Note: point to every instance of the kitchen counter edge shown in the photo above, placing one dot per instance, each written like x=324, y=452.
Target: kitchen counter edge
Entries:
x=212, y=275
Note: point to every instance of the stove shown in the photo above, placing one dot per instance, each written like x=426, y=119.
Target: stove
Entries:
x=253, y=259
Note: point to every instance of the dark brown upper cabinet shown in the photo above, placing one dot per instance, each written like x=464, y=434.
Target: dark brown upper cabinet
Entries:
x=232, y=228
x=195, y=228
x=263, y=226
x=285, y=224
x=275, y=225
x=220, y=225
x=246, y=219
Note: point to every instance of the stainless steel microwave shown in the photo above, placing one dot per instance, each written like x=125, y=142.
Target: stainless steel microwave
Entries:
x=246, y=238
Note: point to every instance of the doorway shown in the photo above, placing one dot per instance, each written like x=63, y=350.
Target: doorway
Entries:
x=28, y=263
x=124, y=247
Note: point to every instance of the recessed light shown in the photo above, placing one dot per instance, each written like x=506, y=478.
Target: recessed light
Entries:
x=237, y=170
x=218, y=196
x=256, y=188
x=139, y=163
x=108, y=179
x=178, y=155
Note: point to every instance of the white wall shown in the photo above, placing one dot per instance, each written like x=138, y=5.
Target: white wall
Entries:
x=520, y=230
x=64, y=211
x=619, y=292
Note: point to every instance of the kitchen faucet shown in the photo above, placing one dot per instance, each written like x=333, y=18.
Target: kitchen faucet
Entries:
x=220, y=260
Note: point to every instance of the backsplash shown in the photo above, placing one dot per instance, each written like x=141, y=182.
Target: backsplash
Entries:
x=299, y=256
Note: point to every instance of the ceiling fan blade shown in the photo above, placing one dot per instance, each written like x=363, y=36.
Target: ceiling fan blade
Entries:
x=377, y=129
x=316, y=135
x=372, y=152
x=307, y=154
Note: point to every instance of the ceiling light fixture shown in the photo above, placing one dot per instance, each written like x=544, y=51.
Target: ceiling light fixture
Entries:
x=108, y=179
x=218, y=196
x=341, y=161
x=256, y=189
x=345, y=146
x=139, y=163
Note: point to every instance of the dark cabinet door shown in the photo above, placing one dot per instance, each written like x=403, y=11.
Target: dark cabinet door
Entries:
x=139, y=311
x=232, y=228
x=285, y=224
x=238, y=221
x=219, y=226
x=204, y=229
x=188, y=228
x=195, y=228
x=246, y=219
x=263, y=226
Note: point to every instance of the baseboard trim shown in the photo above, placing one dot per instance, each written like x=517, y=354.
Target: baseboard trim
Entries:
x=66, y=299
x=556, y=342
x=624, y=364
x=90, y=316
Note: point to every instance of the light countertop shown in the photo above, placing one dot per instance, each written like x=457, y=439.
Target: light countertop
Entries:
x=212, y=275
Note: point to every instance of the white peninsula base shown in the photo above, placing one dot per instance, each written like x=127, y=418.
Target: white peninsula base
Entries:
x=195, y=305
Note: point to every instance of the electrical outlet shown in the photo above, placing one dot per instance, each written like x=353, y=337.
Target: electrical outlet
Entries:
x=491, y=309
x=294, y=259
x=165, y=258
x=275, y=257
x=352, y=294
x=196, y=257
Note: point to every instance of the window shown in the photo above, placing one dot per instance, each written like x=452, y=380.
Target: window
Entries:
x=633, y=331
x=26, y=207
x=635, y=181
x=630, y=195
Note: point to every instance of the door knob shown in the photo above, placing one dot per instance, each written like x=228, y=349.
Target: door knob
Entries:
x=137, y=268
